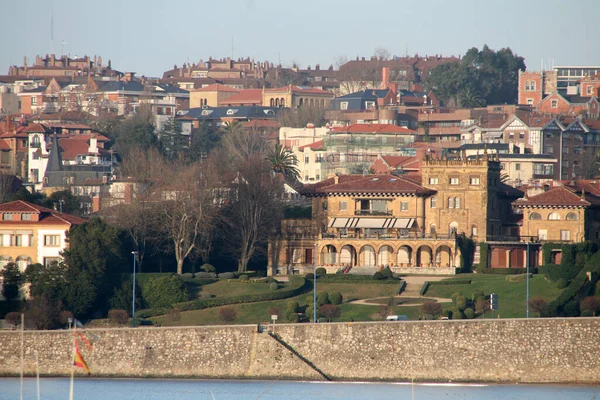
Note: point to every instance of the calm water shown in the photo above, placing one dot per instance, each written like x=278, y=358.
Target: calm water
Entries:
x=95, y=389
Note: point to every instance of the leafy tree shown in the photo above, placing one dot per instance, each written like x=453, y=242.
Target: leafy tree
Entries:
x=64, y=201
x=227, y=314
x=461, y=302
x=44, y=312
x=431, y=308
x=46, y=281
x=12, y=280
x=93, y=254
x=330, y=311
x=283, y=161
x=137, y=131
x=121, y=299
x=172, y=142
x=164, y=291
x=204, y=141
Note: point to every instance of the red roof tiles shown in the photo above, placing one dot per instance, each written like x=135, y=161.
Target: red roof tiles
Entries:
x=378, y=183
x=560, y=196
x=47, y=215
x=246, y=96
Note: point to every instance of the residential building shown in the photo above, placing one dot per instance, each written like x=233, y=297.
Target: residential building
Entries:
x=211, y=95
x=573, y=105
x=53, y=66
x=295, y=137
x=32, y=234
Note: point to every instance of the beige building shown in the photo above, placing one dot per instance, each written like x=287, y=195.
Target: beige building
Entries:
x=211, y=95
x=296, y=96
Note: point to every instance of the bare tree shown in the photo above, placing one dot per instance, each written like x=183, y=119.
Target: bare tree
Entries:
x=382, y=54
x=301, y=116
x=7, y=185
x=188, y=207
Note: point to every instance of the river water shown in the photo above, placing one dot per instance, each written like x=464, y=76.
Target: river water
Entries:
x=151, y=389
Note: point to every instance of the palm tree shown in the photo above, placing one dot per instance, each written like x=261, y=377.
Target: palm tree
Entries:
x=231, y=127
x=470, y=98
x=283, y=161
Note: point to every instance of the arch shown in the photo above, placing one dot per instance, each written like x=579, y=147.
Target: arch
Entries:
x=424, y=256
x=300, y=101
x=322, y=103
x=312, y=102
x=554, y=216
x=348, y=255
x=329, y=255
x=535, y=216
x=432, y=229
x=5, y=260
x=517, y=258
x=385, y=256
x=282, y=102
x=453, y=227
x=367, y=256
x=572, y=216
x=276, y=102
x=23, y=262
x=443, y=256
x=272, y=102
x=404, y=255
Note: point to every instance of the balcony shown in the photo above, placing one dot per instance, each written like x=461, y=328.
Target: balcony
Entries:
x=35, y=145
x=373, y=212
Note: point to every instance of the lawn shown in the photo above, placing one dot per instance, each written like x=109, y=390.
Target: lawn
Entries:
x=511, y=295
x=225, y=288
x=357, y=291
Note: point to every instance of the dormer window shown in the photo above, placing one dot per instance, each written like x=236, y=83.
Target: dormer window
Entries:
x=231, y=111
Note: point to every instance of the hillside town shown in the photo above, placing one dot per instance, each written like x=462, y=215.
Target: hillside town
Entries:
x=229, y=168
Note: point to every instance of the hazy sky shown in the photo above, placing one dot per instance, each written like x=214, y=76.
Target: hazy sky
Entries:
x=149, y=36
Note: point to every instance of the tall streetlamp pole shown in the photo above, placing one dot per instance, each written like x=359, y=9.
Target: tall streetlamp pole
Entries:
x=135, y=253
x=315, y=287
x=527, y=282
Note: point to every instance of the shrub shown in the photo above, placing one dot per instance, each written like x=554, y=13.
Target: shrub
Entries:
x=64, y=317
x=402, y=287
x=164, y=291
x=322, y=320
x=461, y=302
x=187, y=276
x=457, y=314
x=351, y=278
x=293, y=306
x=119, y=317
x=13, y=318
x=310, y=312
x=387, y=273
x=518, y=278
x=273, y=286
x=322, y=298
x=208, y=268
x=455, y=296
x=538, y=305
x=447, y=314
x=293, y=317
x=205, y=275
x=476, y=295
x=469, y=313
x=244, y=278
x=561, y=283
x=270, y=280
x=330, y=311
x=321, y=271
x=502, y=271
x=310, y=276
x=227, y=314
x=226, y=275
x=335, y=298
x=571, y=309
x=378, y=276
x=566, y=272
x=482, y=305
x=431, y=308
x=591, y=305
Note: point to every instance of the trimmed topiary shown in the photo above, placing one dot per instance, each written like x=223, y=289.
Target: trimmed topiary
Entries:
x=274, y=286
x=378, y=276
x=561, y=283
x=476, y=295
x=244, y=278
x=322, y=298
x=469, y=313
x=226, y=275
x=335, y=298
x=293, y=317
x=387, y=273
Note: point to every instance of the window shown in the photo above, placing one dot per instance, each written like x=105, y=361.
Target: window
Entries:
x=450, y=202
x=521, y=135
x=517, y=167
x=542, y=234
x=34, y=101
x=25, y=217
x=324, y=205
x=572, y=217
x=530, y=102
x=307, y=159
x=343, y=105
x=511, y=135
x=369, y=104
x=454, y=180
x=51, y=240
x=474, y=180
x=48, y=261
x=554, y=216
x=577, y=150
x=554, y=103
x=457, y=202
x=433, y=202
x=589, y=90
x=404, y=206
x=565, y=235
x=474, y=230
x=7, y=217
x=548, y=149
x=535, y=216
x=433, y=181
x=343, y=206
x=16, y=240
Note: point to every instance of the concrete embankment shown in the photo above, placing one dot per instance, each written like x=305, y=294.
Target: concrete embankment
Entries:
x=534, y=350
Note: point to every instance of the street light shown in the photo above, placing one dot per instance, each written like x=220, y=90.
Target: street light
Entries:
x=527, y=282
x=135, y=253
x=315, y=287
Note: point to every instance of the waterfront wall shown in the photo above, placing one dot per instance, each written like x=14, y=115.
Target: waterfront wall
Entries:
x=534, y=350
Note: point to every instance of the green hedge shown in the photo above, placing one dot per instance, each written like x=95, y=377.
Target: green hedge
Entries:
x=350, y=278
x=451, y=282
x=483, y=255
x=554, y=272
x=424, y=288
x=517, y=278
x=402, y=287
x=200, y=304
x=503, y=271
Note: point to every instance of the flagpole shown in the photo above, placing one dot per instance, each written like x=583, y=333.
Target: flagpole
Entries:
x=71, y=390
x=22, y=349
x=37, y=373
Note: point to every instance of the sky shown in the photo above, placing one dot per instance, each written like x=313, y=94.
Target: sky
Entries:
x=150, y=36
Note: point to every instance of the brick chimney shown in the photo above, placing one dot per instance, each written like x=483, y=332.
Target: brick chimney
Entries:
x=385, y=77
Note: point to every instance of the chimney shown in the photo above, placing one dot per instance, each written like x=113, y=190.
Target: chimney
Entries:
x=385, y=77
x=336, y=179
x=96, y=203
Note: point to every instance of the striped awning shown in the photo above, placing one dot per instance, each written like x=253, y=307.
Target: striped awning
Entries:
x=398, y=223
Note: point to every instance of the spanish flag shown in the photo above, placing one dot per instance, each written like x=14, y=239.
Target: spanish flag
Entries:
x=79, y=361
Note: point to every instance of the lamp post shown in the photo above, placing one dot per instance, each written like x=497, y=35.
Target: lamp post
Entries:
x=135, y=253
x=315, y=287
x=527, y=282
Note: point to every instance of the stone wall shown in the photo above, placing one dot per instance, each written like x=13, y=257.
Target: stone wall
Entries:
x=535, y=350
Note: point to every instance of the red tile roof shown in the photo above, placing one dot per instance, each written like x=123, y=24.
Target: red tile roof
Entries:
x=560, y=196
x=71, y=148
x=34, y=128
x=4, y=145
x=377, y=183
x=47, y=215
x=246, y=96
x=373, y=128
x=69, y=126
x=315, y=146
